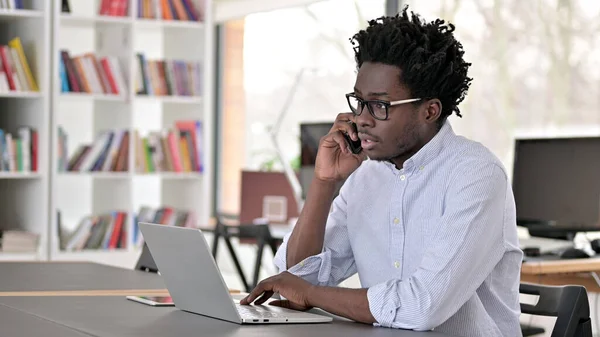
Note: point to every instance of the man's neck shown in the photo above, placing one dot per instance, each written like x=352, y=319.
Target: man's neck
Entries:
x=400, y=160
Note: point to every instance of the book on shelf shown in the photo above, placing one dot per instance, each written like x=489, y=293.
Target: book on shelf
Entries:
x=19, y=151
x=18, y=241
x=107, y=153
x=178, y=149
x=165, y=215
x=65, y=6
x=114, y=7
x=11, y=4
x=183, y=10
x=15, y=73
x=167, y=77
x=101, y=231
x=88, y=73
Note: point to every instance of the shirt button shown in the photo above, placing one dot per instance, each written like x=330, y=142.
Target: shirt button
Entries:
x=421, y=168
x=402, y=177
x=397, y=264
x=396, y=221
x=302, y=263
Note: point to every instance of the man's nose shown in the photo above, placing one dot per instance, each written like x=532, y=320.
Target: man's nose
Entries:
x=364, y=119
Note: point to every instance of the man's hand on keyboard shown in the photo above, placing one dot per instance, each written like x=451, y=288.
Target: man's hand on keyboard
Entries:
x=291, y=287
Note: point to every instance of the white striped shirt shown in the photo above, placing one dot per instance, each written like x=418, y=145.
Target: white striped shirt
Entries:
x=435, y=242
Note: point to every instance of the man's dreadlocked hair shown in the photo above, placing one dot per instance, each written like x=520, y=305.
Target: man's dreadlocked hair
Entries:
x=430, y=58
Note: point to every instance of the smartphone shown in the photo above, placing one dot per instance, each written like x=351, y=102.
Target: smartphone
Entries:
x=354, y=144
x=155, y=301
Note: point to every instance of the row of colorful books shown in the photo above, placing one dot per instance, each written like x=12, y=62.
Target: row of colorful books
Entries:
x=109, y=230
x=166, y=215
x=114, y=7
x=19, y=152
x=98, y=231
x=91, y=74
x=184, y=10
x=178, y=149
x=167, y=77
x=108, y=153
x=15, y=73
x=88, y=73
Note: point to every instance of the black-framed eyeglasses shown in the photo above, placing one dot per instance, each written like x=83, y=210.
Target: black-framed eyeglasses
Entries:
x=379, y=109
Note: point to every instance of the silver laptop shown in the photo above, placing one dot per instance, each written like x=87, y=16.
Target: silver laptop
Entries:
x=196, y=285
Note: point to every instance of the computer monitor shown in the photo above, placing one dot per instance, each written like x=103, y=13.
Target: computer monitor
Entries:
x=310, y=136
x=558, y=179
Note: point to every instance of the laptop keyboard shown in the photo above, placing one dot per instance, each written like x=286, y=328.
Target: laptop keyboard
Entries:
x=258, y=312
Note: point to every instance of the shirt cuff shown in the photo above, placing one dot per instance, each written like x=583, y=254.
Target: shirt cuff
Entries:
x=382, y=307
x=315, y=269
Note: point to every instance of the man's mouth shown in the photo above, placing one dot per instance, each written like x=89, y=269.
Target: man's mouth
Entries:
x=367, y=142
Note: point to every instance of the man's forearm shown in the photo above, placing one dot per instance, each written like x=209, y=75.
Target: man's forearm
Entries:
x=349, y=303
x=308, y=234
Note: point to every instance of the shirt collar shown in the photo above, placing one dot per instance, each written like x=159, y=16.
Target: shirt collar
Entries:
x=428, y=152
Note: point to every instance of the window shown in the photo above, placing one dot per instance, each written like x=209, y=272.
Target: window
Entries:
x=301, y=58
x=536, y=67
x=535, y=64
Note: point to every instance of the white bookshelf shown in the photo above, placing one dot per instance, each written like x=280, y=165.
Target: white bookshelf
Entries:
x=21, y=257
x=83, y=116
x=19, y=14
x=22, y=95
x=24, y=195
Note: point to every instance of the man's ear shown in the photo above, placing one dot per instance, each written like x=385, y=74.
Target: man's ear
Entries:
x=432, y=110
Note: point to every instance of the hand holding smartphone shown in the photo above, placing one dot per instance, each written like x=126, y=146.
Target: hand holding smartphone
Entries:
x=354, y=144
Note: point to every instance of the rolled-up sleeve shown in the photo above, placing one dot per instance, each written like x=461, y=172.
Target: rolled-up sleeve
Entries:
x=463, y=254
x=335, y=263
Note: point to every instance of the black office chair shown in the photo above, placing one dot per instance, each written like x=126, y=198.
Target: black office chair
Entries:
x=569, y=304
x=226, y=228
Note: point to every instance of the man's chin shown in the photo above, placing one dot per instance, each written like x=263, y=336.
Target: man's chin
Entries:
x=378, y=157
x=381, y=157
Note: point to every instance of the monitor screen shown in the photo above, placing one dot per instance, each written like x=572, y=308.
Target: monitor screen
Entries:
x=558, y=179
x=310, y=135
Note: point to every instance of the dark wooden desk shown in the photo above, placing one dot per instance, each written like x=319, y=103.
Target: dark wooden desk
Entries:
x=560, y=272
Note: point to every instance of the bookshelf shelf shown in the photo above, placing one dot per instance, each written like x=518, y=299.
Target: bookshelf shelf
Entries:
x=157, y=23
x=96, y=175
x=21, y=94
x=172, y=175
x=19, y=14
x=81, y=20
x=20, y=175
x=18, y=256
x=94, y=97
x=170, y=99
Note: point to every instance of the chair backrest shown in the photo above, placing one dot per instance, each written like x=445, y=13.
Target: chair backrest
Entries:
x=569, y=304
x=245, y=232
x=227, y=218
x=229, y=225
